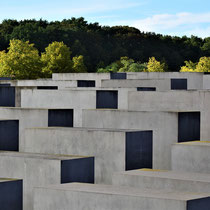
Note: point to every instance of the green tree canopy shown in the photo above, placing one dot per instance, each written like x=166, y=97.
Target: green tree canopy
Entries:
x=56, y=59
x=155, y=66
x=202, y=66
x=78, y=64
x=22, y=61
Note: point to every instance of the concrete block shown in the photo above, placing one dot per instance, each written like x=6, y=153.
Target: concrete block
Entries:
x=7, y=96
x=114, y=150
x=159, y=84
x=181, y=101
x=11, y=191
x=60, y=117
x=97, y=77
x=43, y=169
x=163, y=180
x=77, y=99
x=191, y=157
x=86, y=196
x=168, y=128
x=194, y=79
x=9, y=135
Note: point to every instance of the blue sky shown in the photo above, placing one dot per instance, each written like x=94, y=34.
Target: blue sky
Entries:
x=186, y=17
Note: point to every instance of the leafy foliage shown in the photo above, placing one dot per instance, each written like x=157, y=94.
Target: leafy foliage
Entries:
x=22, y=61
x=202, y=66
x=155, y=66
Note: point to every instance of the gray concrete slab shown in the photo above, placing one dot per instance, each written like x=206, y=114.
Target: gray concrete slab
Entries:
x=114, y=150
x=36, y=170
x=191, y=156
x=194, y=80
x=163, y=124
x=163, y=180
x=174, y=101
x=83, y=196
x=159, y=84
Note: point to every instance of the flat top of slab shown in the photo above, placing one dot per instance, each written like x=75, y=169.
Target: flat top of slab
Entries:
x=195, y=143
x=168, y=174
x=39, y=155
x=88, y=129
x=127, y=191
x=8, y=179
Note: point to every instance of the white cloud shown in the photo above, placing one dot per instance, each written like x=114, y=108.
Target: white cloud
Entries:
x=167, y=23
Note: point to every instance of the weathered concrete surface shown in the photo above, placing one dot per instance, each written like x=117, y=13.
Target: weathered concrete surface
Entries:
x=174, y=101
x=109, y=147
x=163, y=180
x=11, y=191
x=34, y=169
x=85, y=196
x=194, y=80
x=163, y=124
x=191, y=156
x=27, y=118
x=160, y=84
x=82, y=76
x=77, y=99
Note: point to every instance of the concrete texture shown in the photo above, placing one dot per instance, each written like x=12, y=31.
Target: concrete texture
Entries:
x=36, y=170
x=114, y=150
x=11, y=191
x=159, y=84
x=77, y=99
x=191, y=156
x=174, y=101
x=163, y=124
x=85, y=196
x=97, y=77
x=27, y=118
x=163, y=180
x=194, y=80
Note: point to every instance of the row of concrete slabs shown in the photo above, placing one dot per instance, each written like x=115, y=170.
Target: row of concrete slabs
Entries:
x=131, y=136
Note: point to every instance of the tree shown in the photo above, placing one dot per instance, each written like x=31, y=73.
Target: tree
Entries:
x=78, y=64
x=155, y=66
x=202, y=66
x=22, y=61
x=56, y=59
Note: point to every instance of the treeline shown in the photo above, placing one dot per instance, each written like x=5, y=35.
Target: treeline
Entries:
x=102, y=45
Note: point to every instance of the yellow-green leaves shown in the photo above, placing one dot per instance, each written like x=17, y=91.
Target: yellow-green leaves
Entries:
x=78, y=64
x=22, y=61
x=202, y=66
x=56, y=59
x=155, y=66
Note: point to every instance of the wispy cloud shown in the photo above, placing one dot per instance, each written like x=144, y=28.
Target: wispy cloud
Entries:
x=189, y=22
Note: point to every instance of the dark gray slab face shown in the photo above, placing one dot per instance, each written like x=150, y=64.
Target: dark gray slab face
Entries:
x=146, y=88
x=47, y=87
x=7, y=96
x=199, y=204
x=77, y=170
x=178, y=84
x=106, y=99
x=188, y=126
x=86, y=83
x=5, y=78
x=118, y=75
x=139, y=147
x=60, y=117
x=9, y=135
x=11, y=195
x=5, y=85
